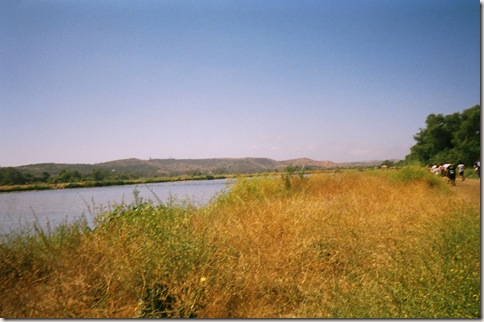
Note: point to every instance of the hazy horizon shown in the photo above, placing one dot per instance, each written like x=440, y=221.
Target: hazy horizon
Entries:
x=249, y=157
x=343, y=81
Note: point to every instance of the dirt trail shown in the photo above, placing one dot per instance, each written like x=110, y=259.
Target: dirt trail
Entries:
x=469, y=189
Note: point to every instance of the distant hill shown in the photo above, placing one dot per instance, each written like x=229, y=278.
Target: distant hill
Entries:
x=175, y=167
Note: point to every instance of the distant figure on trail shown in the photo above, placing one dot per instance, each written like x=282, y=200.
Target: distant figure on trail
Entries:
x=477, y=168
x=460, y=168
x=434, y=169
x=441, y=170
x=451, y=173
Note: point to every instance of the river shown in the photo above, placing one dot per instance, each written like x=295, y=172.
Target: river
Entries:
x=52, y=207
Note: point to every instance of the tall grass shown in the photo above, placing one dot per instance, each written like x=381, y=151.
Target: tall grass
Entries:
x=361, y=245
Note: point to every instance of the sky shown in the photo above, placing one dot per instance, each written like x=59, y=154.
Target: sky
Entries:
x=341, y=80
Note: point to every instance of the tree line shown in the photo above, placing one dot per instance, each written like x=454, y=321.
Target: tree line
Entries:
x=449, y=138
x=12, y=176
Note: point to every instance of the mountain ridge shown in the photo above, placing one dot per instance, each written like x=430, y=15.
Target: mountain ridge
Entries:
x=173, y=167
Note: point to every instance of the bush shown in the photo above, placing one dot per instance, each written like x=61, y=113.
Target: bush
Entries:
x=418, y=174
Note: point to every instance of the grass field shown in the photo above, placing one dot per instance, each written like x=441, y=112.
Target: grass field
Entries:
x=362, y=244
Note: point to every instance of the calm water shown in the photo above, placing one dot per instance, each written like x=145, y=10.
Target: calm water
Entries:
x=55, y=206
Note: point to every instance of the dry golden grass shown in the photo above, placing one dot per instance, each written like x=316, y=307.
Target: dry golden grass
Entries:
x=337, y=241
x=362, y=245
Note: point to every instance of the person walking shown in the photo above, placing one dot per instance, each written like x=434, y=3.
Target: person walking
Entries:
x=451, y=173
x=477, y=168
x=460, y=168
x=434, y=169
x=441, y=170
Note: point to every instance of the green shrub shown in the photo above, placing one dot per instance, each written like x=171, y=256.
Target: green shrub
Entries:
x=418, y=174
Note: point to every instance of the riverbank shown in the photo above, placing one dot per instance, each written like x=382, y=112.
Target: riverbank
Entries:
x=123, y=182
x=376, y=244
x=107, y=183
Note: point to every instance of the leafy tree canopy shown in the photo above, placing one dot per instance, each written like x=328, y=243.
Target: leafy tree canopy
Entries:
x=449, y=138
x=10, y=175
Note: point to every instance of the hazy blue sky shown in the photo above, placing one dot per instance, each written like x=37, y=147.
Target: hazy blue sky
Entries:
x=96, y=80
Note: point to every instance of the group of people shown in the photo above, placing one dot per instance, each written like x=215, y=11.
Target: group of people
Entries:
x=448, y=171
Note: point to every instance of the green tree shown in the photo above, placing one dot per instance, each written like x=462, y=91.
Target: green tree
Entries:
x=387, y=163
x=454, y=137
x=45, y=176
x=99, y=174
x=10, y=175
x=467, y=139
x=68, y=176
